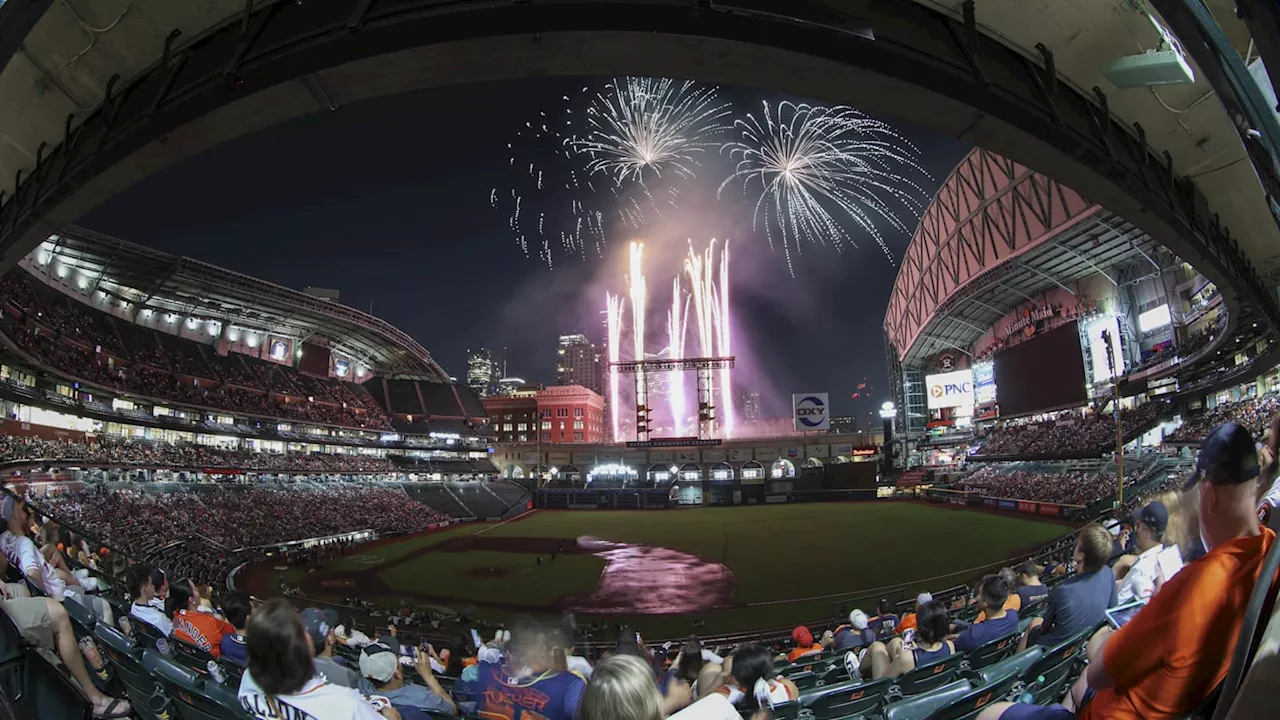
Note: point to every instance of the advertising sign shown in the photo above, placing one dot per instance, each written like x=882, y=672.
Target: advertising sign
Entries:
x=686, y=456
x=713, y=456
x=769, y=454
x=530, y=457
x=740, y=455
x=984, y=383
x=1007, y=505
x=1049, y=509
x=948, y=390
x=635, y=457
x=842, y=449
x=811, y=411
x=793, y=452
x=816, y=451
x=558, y=458
x=605, y=457
x=584, y=458
x=662, y=456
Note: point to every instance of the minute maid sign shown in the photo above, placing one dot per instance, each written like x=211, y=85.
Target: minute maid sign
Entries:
x=811, y=411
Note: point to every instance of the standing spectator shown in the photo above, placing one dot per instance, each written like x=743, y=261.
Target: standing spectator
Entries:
x=319, y=626
x=380, y=663
x=142, y=593
x=1149, y=523
x=281, y=680
x=1080, y=602
x=1166, y=660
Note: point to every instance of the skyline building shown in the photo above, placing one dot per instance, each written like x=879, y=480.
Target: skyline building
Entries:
x=580, y=362
x=751, y=409
x=482, y=372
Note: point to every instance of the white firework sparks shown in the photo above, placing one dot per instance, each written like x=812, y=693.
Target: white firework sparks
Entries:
x=640, y=126
x=805, y=164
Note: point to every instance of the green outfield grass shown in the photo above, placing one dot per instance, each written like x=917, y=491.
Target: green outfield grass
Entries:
x=779, y=554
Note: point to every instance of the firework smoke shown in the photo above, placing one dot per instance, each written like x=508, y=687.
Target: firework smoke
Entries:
x=677, y=324
x=613, y=323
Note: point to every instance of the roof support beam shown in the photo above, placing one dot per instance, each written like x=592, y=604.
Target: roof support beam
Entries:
x=1090, y=263
x=1046, y=276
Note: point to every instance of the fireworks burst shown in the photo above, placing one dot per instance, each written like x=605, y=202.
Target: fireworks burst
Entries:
x=613, y=321
x=648, y=125
x=805, y=164
x=677, y=326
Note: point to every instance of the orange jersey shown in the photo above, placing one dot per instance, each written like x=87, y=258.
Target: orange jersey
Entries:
x=797, y=653
x=204, y=630
x=1167, y=659
x=908, y=622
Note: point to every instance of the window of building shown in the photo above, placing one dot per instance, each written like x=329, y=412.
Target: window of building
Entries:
x=524, y=438
x=577, y=437
x=562, y=424
x=522, y=427
x=545, y=413
x=546, y=424
x=507, y=427
x=577, y=412
x=578, y=425
x=546, y=437
x=562, y=412
x=507, y=416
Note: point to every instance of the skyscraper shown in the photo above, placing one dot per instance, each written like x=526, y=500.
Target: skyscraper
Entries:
x=482, y=371
x=578, y=362
x=751, y=406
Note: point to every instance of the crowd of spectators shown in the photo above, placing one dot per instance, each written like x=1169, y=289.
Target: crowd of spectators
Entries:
x=90, y=345
x=184, y=455
x=1061, y=486
x=1251, y=412
x=1069, y=434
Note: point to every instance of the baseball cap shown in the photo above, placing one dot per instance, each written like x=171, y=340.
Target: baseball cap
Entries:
x=802, y=636
x=318, y=623
x=1154, y=515
x=924, y=598
x=1229, y=451
x=858, y=620
x=379, y=660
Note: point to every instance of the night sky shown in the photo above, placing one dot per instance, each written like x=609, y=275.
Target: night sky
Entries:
x=389, y=202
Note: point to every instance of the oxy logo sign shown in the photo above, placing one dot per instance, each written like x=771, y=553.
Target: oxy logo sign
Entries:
x=812, y=411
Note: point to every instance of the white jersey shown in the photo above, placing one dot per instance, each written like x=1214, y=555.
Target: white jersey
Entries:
x=1140, y=581
x=22, y=553
x=778, y=693
x=1270, y=501
x=152, y=617
x=317, y=700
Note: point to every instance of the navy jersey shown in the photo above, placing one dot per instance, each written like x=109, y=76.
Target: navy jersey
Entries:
x=883, y=626
x=549, y=696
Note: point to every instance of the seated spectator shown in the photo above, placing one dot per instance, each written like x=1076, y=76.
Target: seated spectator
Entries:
x=20, y=551
x=577, y=663
x=142, y=593
x=380, y=663
x=1030, y=589
x=1080, y=602
x=622, y=688
x=854, y=636
x=909, y=619
x=529, y=678
x=747, y=679
x=319, y=626
x=897, y=658
x=235, y=606
x=159, y=581
x=44, y=624
x=997, y=623
x=677, y=684
x=281, y=682
x=804, y=645
x=204, y=630
x=1014, y=601
x=1167, y=660
x=1149, y=523
x=885, y=624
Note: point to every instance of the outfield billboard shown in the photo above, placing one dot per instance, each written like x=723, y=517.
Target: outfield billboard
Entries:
x=949, y=390
x=812, y=411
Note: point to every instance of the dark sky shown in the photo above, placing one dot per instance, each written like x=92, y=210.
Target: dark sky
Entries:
x=389, y=202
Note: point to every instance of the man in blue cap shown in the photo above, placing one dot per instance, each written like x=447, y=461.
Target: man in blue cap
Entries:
x=1149, y=523
x=1166, y=660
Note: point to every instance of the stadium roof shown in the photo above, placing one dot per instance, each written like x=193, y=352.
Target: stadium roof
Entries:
x=147, y=278
x=995, y=235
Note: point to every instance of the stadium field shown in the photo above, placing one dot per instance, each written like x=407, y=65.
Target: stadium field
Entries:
x=727, y=569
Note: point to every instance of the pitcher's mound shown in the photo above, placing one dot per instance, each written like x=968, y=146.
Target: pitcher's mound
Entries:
x=487, y=572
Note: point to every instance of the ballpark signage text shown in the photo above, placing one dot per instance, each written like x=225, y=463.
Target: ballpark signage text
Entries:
x=812, y=411
x=947, y=390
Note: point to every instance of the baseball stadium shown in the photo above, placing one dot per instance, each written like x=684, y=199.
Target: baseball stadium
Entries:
x=1080, y=345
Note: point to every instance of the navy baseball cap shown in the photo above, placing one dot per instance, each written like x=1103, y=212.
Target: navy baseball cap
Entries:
x=1154, y=515
x=1227, y=456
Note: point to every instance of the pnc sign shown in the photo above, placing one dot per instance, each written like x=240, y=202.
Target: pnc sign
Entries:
x=811, y=411
x=948, y=390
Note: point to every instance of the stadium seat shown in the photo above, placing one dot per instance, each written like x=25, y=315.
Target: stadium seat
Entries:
x=990, y=653
x=83, y=619
x=922, y=706
x=1018, y=663
x=1035, y=609
x=48, y=693
x=195, y=697
x=145, y=694
x=968, y=706
x=233, y=671
x=927, y=677
x=846, y=699
x=149, y=636
x=190, y=656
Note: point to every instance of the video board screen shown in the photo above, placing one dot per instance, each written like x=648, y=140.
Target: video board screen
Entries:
x=1042, y=373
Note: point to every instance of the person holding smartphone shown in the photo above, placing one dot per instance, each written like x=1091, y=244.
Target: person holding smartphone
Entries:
x=380, y=663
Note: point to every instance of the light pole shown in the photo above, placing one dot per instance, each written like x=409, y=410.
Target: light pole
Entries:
x=1107, y=340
